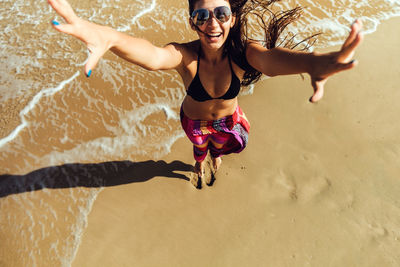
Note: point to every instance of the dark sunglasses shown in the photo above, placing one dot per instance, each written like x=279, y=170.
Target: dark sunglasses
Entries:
x=221, y=13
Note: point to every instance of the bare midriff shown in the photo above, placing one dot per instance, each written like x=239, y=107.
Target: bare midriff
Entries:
x=208, y=110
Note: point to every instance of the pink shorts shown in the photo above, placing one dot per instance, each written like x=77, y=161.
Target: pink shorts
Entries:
x=230, y=134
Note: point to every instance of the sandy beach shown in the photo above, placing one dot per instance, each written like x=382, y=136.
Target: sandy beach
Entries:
x=316, y=186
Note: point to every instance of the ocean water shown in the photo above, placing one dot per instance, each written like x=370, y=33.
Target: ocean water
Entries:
x=63, y=133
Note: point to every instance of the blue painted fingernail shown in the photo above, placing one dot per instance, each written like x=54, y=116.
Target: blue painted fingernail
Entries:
x=89, y=73
x=55, y=23
x=351, y=62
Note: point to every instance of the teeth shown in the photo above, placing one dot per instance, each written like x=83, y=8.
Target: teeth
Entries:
x=214, y=35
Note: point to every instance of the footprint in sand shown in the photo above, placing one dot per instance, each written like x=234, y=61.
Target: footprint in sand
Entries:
x=280, y=187
x=309, y=178
x=376, y=231
x=314, y=187
x=301, y=182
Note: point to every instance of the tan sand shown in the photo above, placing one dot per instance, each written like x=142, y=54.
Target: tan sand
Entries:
x=317, y=186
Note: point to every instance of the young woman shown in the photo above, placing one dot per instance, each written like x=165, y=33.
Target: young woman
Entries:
x=214, y=67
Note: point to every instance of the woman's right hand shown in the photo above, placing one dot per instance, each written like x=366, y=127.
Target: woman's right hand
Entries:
x=93, y=35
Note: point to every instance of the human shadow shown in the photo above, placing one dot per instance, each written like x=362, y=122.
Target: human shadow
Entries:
x=91, y=175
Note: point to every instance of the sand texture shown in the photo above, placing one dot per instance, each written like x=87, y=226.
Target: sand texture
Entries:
x=318, y=184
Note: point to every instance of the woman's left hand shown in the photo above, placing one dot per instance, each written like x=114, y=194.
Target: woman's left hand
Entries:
x=326, y=65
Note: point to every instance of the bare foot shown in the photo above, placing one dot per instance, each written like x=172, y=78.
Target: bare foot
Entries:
x=199, y=171
x=216, y=163
x=196, y=181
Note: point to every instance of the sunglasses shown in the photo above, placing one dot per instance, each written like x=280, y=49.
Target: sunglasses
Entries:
x=201, y=16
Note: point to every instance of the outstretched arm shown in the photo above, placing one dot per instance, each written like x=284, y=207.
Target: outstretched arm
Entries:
x=99, y=39
x=282, y=61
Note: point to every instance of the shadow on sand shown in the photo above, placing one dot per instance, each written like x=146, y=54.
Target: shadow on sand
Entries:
x=91, y=175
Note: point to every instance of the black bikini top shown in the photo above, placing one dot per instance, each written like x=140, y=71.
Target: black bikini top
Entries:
x=198, y=93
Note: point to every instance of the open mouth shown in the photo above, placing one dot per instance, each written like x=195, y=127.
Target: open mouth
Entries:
x=213, y=35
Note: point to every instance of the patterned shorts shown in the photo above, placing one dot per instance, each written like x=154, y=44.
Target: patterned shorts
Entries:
x=223, y=136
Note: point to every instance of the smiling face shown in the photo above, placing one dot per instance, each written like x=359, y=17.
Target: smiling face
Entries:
x=213, y=33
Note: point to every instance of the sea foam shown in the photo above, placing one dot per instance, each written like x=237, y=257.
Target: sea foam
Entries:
x=135, y=113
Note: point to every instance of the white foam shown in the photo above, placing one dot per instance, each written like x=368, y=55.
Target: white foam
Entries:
x=82, y=223
x=130, y=134
x=139, y=15
x=132, y=131
x=31, y=105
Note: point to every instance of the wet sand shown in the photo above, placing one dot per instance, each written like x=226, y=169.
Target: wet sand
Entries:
x=316, y=186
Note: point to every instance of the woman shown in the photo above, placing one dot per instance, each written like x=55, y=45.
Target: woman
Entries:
x=212, y=68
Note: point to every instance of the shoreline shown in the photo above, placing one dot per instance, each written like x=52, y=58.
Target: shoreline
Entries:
x=316, y=185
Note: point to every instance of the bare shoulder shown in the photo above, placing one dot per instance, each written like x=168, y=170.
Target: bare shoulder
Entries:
x=186, y=51
x=255, y=55
x=173, y=55
x=253, y=49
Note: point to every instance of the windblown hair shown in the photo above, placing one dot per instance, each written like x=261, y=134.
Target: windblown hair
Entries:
x=271, y=23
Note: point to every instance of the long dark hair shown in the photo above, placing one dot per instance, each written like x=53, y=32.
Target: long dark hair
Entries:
x=271, y=23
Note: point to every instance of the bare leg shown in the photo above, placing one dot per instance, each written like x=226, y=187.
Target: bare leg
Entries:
x=199, y=171
x=199, y=165
x=199, y=168
x=216, y=163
